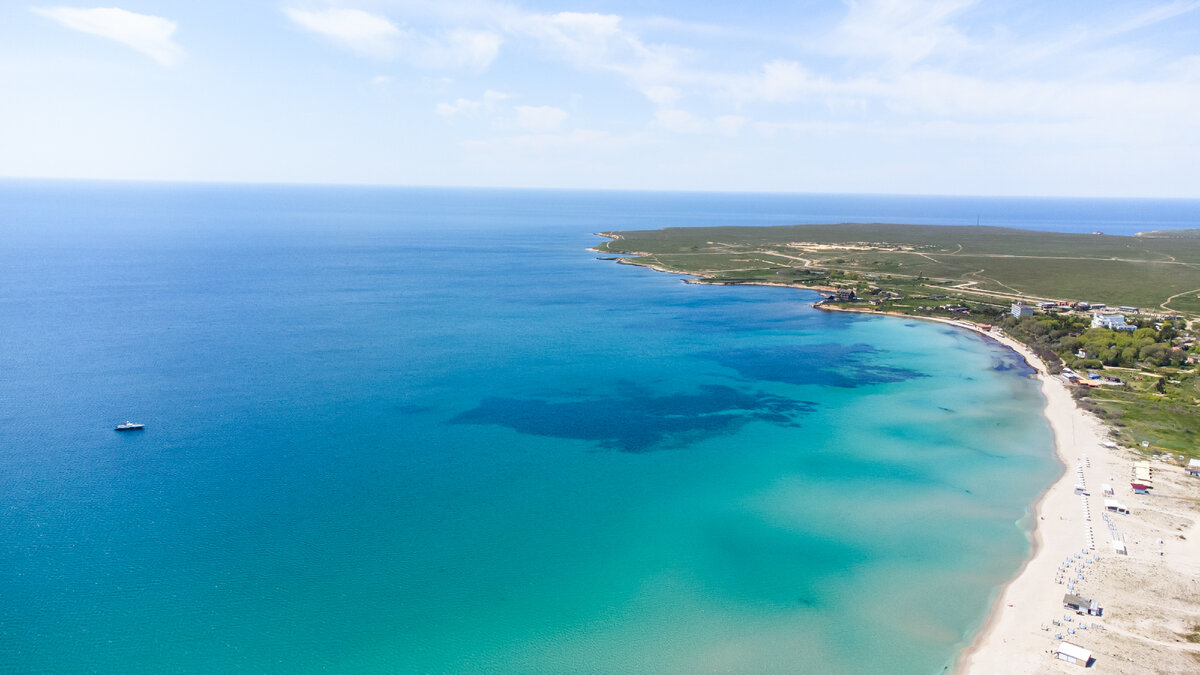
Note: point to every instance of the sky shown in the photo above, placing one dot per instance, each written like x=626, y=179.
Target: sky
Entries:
x=957, y=97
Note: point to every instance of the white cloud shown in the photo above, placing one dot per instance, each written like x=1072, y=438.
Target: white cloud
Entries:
x=381, y=79
x=491, y=99
x=684, y=122
x=730, y=125
x=359, y=31
x=661, y=95
x=540, y=118
x=680, y=122
x=379, y=37
x=150, y=35
x=583, y=38
x=470, y=48
x=777, y=81
x=593, y=41
x=899, y=32
x=575, y=141
x=458, y=107
x=1152, y=16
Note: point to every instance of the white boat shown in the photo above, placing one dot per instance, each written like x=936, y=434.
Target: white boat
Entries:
x=130, y=426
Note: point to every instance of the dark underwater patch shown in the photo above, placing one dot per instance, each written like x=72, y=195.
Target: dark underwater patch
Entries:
x=635, y=419
x=1013, y=363
x=829, y=364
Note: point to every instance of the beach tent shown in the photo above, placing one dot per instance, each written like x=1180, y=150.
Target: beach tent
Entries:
x=1108, y=489
x=1119, y=547
x=1193, y=467
x=1115, y=506
x=1073, y=653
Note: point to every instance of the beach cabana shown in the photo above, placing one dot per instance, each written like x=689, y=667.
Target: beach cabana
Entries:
x=1115, y=506
x=1073, y=653
x=1193, y=467
x=1108, y=489
x=1119, y=547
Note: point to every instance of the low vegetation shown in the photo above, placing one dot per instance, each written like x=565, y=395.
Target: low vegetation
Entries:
x=1152, y=270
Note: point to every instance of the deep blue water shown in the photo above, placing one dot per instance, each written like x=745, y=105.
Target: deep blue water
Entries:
x=426, y=430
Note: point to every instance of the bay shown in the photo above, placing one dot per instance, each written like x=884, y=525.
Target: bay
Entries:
x=426, y=430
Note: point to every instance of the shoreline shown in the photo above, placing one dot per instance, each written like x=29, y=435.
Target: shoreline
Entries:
x=1153, y=592
x=1018, y=634
x=987, y=634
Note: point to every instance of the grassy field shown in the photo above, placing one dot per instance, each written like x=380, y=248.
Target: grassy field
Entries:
x=1147, y=271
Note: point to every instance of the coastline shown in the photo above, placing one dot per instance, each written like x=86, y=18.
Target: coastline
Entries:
x=978, y=656
x=1137, y=629
x=1154, y=617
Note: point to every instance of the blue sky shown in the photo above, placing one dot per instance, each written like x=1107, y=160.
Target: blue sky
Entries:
x=937, y=97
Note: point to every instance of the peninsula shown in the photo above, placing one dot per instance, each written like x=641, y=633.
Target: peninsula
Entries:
x=1109, y=322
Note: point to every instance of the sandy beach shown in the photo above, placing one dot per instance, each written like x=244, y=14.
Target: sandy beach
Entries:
x=1150, y=597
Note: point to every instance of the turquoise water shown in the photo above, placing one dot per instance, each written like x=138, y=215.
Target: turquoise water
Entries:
x=406, y=430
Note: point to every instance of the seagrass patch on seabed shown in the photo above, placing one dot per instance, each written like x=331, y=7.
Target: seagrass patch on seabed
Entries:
x=636, y=419
x=829, y=364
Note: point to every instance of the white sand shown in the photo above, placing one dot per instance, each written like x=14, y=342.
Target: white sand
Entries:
x=1150, y=601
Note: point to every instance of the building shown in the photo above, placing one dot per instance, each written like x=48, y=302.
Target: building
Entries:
x=1081, y=605
x=1126, y=308
x=1021, y=310
x=1073, y=653
x=844, y=295
x=1115, y=506
x=1110, y=321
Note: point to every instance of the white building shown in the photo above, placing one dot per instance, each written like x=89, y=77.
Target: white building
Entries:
x=1072, y=653
x=1020, y=310
x=1110, y=321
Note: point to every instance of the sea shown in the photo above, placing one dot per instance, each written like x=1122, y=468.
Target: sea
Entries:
x=428, y=430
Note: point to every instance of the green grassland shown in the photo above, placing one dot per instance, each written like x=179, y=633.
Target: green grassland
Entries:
x=1150, y=271
x=946, y=271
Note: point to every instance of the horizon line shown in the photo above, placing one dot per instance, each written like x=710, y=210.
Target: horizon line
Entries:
x=301, y=184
